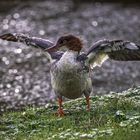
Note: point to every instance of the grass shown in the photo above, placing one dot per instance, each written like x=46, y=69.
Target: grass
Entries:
x=112, y=117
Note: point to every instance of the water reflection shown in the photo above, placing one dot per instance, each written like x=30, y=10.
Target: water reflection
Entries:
x=18, y=51
x=16, y=15
x=95, y=23
x=5, y=60
x=24, y=72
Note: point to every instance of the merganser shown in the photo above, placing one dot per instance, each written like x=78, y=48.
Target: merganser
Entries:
x=70, y=69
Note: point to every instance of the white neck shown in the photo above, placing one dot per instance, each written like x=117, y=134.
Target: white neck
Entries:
x=68, y=61
x=70, y=54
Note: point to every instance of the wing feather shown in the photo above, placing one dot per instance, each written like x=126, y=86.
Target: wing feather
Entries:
x=116, y=49
x=40, y=43
x=9, y=37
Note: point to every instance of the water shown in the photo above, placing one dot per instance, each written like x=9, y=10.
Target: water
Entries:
x=24, y=72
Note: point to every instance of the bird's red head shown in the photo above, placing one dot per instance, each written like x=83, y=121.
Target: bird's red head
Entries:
x=70, y=42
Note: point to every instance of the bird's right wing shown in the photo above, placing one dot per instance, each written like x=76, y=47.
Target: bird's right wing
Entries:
x=39, y=43
x=119, y=50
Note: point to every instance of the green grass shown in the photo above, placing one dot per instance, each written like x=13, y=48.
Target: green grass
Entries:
x=112, y=117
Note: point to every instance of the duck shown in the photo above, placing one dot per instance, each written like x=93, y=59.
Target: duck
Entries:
x=71, y=67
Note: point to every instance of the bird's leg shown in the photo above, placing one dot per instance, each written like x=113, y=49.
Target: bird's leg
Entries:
x=87, y=102
x=60, y=110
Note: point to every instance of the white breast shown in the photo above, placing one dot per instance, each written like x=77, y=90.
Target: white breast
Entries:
x=68, y=61
x=68, y=78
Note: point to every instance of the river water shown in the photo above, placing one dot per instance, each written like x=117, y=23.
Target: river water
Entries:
x=24, y=72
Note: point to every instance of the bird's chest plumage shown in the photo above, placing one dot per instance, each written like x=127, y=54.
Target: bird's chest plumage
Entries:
x=68, y=77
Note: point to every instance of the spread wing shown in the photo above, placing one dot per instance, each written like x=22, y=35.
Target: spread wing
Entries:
x=114, y=49
x=39, y=43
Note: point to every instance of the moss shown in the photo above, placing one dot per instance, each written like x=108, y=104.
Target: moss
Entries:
x=114, y=116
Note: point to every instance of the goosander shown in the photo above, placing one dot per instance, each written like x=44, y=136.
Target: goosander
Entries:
x=71, y=69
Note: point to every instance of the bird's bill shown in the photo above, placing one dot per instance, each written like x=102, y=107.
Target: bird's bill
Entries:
x=53, y=48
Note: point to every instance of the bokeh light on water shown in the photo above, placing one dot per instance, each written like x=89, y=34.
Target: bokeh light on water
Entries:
x=24, y=72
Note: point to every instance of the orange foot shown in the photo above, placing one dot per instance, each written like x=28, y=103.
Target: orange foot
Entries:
x=87, y=102
x=60, y=113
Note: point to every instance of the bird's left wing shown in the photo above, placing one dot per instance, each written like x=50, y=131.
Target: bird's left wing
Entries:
x=114, y=49
x=39, y=43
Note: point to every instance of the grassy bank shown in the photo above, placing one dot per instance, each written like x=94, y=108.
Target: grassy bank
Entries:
x=113, y=117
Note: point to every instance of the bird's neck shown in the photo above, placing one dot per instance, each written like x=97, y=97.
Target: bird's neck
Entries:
x=68, y=62
x=70, y=54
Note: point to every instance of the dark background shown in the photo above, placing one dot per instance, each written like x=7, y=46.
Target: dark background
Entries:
x=24, y=72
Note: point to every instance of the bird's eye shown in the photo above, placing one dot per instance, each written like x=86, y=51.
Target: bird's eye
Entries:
x=62, y=41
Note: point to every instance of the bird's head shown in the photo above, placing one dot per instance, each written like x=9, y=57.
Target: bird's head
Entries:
x=69, y=42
